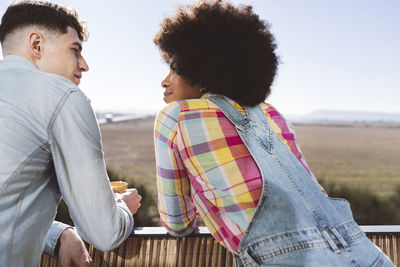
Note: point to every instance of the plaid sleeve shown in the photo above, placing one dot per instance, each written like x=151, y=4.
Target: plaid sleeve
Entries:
x=175, y=205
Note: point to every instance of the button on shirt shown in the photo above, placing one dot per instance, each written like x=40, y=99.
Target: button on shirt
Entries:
x=50, y=146
x=203, y=166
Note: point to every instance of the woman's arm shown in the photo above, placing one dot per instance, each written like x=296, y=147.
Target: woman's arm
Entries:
x=175, y=205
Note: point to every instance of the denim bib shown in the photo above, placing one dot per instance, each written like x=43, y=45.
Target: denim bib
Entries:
x=295, y=223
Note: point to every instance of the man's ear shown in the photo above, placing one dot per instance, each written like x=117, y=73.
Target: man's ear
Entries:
x=36, y=44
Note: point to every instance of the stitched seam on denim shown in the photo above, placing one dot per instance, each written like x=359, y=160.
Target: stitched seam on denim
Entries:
x=263, y=123
x=300, y=192
x=268, y=148
x=380, y=261
x=19, y=201
x=347, y=231
x=58, y=108
x=291, y=249
x=276, y=237
x=22, y=165
x=350, y=257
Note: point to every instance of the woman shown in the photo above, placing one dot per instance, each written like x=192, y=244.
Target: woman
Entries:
x=225, y=153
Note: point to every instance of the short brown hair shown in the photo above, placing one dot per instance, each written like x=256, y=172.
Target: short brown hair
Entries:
x=52, y=17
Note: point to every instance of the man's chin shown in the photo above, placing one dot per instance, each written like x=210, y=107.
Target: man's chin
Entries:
x=76, y=81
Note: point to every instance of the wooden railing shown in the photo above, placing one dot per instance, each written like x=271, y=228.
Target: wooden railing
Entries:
x=152, y=246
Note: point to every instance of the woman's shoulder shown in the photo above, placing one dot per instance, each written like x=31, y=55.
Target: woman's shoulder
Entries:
x=270, y=110
x=176, y=108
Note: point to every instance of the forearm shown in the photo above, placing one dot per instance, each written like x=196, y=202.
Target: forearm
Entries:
x=106, y=240
x=178, y=226
x=175, y=205
x=56, y=229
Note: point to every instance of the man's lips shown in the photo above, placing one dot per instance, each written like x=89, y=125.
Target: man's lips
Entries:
x=78, y=75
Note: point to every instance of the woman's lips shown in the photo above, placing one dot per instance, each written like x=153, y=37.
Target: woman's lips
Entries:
x=167, y=93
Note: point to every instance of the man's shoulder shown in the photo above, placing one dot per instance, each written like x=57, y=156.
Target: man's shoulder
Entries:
x=40, y=93
x=52, y=81
x=20, y=73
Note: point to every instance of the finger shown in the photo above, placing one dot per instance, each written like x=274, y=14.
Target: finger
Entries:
x=131, y=190
x=90, y=263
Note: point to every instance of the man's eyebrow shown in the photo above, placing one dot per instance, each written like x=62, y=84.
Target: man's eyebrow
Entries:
x=78, y=44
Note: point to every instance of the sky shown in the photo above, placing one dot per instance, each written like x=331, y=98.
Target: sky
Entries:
x=335, y=55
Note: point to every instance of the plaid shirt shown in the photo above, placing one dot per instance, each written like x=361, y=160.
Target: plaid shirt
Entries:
x=203, y=165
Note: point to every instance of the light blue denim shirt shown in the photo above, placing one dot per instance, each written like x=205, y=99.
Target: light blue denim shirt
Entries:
x=50, y=146
x=55, y=231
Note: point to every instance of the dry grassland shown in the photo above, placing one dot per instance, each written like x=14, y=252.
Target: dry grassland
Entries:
x=357, y=156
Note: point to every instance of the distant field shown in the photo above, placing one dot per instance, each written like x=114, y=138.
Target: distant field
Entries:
x=129, y=151
x=356, y=156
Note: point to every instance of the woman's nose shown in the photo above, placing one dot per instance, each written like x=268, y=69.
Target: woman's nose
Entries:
x=165, y=82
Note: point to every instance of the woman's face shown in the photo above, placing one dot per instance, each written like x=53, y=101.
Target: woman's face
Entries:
x=176, y=88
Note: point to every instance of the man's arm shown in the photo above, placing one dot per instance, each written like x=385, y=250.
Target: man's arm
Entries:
x=82, y=177
x=63, y=241
x=56, y=229
x=72, y=250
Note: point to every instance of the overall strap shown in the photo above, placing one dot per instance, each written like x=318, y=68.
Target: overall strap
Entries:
x=253, y=120
x=238, y=119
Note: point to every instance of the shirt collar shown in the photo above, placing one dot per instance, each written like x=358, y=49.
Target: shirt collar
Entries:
x=20, y=61
x=207, y=95
x=233, y=103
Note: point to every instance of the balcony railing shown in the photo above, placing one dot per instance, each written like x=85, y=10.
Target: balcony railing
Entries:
x=152, y=246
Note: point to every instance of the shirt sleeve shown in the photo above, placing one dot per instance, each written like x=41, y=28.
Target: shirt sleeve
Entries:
x=175, y=205
x=81, y=174
x=53, y=235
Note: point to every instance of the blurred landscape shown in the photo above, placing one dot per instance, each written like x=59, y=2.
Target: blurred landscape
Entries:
x=357, y=160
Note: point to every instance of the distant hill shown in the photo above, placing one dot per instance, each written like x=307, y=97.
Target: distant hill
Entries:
x=346, y=117
x=316, y=117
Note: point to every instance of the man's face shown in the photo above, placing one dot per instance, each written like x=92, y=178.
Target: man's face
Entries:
x=62, y=56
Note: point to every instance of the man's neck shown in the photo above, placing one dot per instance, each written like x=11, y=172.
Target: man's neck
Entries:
x=20, y=54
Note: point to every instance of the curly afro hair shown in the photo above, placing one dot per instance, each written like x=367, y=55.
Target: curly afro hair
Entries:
x=226, y=49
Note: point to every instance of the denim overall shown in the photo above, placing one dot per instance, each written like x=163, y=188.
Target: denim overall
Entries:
x=295, y=223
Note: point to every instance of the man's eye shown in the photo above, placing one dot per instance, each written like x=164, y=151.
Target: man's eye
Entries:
x=76, y=50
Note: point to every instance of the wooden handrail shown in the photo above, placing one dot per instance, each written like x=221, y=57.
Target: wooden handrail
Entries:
x=152, y=246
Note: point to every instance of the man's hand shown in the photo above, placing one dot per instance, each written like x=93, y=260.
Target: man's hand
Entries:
x=72, y=251
x=131, y=198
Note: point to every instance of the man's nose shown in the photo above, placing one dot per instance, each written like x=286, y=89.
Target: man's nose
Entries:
x=83, y=66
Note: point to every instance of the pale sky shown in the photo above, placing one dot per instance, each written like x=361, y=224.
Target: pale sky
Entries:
x=337, y=55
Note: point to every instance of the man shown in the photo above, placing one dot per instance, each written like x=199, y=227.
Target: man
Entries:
x=50, y=144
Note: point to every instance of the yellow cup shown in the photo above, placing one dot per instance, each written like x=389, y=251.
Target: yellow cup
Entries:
x=119, y=186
